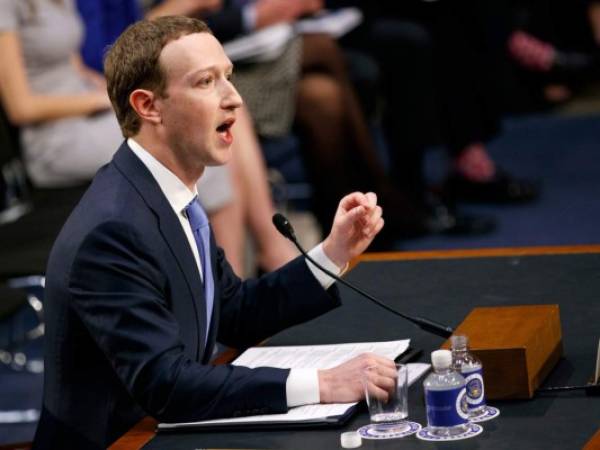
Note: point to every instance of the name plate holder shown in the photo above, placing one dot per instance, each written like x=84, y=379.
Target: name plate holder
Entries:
x=517, y=345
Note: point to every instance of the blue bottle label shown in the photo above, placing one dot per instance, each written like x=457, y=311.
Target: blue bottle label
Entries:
x=475, y=388
x=447, y=408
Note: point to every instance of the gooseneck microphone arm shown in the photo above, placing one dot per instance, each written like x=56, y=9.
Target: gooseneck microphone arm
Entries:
x=286, y=229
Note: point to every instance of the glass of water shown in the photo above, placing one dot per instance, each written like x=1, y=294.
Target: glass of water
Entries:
x=389, y=415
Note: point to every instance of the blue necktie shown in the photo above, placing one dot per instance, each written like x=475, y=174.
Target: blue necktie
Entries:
x=201, y=230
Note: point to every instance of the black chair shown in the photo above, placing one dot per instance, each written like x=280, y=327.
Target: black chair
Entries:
x=30, y=218
x=28, y=226
x=21, y=322
x=21, y=330
x=15, y=193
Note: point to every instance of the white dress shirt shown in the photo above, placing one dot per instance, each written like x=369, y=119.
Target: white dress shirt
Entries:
x=302, y=385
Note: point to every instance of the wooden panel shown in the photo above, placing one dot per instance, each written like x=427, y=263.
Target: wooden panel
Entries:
x=518, y=346
x=594, y=443
x=138, y=436
x=20, y=446
x=480, y=253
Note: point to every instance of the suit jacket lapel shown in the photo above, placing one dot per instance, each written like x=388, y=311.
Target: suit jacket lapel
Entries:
x=170, y=227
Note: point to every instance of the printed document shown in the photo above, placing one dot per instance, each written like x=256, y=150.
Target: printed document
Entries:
x=309, y=357
x=269, y=43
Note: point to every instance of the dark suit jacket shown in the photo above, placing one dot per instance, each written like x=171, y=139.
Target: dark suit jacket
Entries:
x=227, y=23
x=125, y=319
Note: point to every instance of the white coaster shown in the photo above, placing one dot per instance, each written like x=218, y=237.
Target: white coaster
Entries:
x=472, y=431
x=388, y=431
x=487, y=413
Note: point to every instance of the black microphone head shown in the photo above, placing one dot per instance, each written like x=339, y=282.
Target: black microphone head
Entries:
x=284, y=226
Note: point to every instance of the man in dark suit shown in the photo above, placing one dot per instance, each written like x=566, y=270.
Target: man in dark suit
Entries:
x=136, y=296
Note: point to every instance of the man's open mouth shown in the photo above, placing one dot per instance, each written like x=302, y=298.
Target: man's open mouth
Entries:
x=225, y=126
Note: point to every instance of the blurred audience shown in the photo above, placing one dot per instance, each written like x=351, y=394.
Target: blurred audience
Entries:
x=338, y=148
x=428, y=70
x=437, y=87
x=67, y=126
x=558, y=41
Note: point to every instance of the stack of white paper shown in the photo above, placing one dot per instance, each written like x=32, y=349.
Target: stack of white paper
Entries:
x=269, y=43
x=308, y=357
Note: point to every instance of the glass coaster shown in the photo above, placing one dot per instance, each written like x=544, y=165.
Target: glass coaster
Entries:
x=389, y=431
x=472, y=431
x=487, y=413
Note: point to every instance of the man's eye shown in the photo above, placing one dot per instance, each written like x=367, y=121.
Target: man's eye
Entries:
x=229, y=76
x=205, y=81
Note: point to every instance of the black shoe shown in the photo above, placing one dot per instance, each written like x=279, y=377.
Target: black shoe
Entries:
x=503, y=188
x=431, y=216
x=444, y=219
x=574, y=67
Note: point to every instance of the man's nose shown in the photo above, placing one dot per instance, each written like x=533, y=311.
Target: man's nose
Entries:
x=231, y=98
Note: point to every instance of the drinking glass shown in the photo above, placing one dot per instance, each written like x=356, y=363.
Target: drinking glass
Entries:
x=388, y=415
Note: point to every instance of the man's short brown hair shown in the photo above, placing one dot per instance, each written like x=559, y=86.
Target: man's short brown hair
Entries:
x=132, y=63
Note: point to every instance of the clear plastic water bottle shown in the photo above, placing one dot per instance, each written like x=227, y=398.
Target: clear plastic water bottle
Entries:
x=471, y=369
x=445, y=397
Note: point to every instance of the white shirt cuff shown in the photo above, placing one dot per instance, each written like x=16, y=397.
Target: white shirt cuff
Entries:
x=319, y=256
x=302, y=387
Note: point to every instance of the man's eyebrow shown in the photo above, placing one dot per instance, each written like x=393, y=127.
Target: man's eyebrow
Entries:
x=213, y=68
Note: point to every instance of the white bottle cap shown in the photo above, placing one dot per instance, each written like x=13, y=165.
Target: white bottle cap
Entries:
x=350, y=439
x=441, y=359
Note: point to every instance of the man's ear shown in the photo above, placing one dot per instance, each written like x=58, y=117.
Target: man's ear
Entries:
x=144, y=104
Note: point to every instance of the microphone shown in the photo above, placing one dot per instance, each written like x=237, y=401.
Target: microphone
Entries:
x=285, y=228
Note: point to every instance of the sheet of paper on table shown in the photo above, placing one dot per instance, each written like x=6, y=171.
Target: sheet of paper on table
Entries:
x=306, y=357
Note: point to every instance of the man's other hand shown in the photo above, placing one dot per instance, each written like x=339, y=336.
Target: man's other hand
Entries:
x=357, y=221
x=344, y=383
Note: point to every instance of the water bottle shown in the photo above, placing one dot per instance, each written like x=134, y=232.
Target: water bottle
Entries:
x=470, y=368
x=445, y=397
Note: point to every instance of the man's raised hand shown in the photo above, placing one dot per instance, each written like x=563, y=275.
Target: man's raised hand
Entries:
x=357, y=221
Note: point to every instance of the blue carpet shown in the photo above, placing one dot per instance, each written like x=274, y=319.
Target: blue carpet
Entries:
x=20, y=390
x=563, y=153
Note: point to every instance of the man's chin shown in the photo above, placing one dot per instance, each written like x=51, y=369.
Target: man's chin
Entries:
x=220, y=157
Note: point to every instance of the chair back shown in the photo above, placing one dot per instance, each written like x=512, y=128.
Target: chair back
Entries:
x=15, y=192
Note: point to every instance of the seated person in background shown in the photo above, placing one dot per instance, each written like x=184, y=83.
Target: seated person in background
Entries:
x=437, y=87
x=557, y=44
x=105, y=20
x=68, y=129
x=136, y=290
